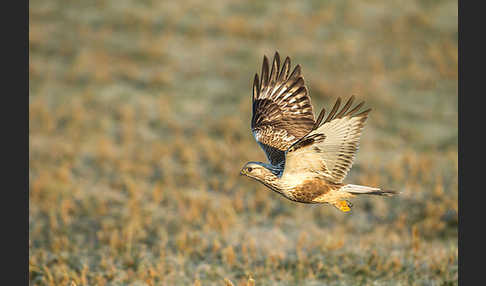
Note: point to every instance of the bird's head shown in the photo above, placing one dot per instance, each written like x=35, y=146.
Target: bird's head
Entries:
x=257, y=171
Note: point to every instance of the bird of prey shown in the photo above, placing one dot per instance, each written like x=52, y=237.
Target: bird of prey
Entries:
x=308, y=158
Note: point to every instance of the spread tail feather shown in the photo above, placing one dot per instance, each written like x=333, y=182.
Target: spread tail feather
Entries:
x=359, y=190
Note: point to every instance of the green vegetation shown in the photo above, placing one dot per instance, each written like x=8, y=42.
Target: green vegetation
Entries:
x=139, y=125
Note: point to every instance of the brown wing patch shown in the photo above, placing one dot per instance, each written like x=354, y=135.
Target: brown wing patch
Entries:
x=282, y=109
x=308, y=140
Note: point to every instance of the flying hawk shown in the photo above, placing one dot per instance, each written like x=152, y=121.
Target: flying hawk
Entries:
x=308, y=159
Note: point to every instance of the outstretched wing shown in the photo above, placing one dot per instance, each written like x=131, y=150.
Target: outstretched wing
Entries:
x=282, y=110
x=329, y=149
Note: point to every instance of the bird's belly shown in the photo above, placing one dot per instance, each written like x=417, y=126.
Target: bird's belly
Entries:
x=311, y=191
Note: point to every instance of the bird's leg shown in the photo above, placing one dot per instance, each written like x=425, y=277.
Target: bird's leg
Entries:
x=344, y=205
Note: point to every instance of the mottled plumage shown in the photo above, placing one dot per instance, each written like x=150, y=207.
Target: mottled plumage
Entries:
x=308, y=158
x=282, y=111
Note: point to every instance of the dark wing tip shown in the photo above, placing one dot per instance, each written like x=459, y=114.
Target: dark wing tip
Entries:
x=256, y=87
x=287, y=60
x=275, y=68
x=343, y=112
x=284, y=73
x=364, y=112
x=297, y=71
x=334, y=110
x=356, y=108
x=348, y=104
x=319, y=119
x=264, y=75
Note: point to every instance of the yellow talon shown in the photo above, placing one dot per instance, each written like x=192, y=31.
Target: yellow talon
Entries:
x=343, y=206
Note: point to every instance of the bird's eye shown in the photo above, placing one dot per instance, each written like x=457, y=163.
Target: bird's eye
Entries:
x=249, y=169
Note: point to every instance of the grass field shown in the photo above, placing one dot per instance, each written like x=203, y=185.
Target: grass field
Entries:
x=140, y=122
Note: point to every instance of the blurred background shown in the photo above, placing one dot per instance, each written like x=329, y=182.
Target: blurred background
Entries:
x=140, y=122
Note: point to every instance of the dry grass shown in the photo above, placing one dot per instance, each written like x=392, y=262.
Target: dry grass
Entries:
x=139, y=124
